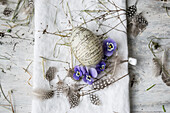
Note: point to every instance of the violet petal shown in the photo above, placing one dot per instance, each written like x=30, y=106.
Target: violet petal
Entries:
x=108, y=53
x=84, y=79
x=83, y=70
x=93, y=72
x=76, y=68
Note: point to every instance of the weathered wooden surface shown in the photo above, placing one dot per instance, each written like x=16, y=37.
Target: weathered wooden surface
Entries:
x=20, y=53
x=141, y=100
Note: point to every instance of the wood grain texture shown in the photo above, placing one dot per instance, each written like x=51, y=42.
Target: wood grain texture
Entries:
x=151, y=101
x=13, y=77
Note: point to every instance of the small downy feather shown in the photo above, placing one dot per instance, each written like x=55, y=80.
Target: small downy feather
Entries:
x=61, y=87
x=3, y=2
x=28, y=7
x=157, y=68
x=7, y=11
x=165, y=75
x=50, y=74
x=70, y=73
x=137, y=25
x=43, y=94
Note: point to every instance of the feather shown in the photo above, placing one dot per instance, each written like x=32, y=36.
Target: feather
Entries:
x=132, y=10
x=7, y=11
x=3, y=2
x=113, y=62
x=157, y=68
x=50, y=74
x=94, y=99
x=28, y=7
x=43, y=94
x=73, y=98
x=61, y=87
x=137, y=25
x=164, y=58
x=165, y=75
x=101, y=84
x=70, y=73
x=165, y=78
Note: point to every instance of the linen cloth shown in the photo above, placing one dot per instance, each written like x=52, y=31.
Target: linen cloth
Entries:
x=55, y=15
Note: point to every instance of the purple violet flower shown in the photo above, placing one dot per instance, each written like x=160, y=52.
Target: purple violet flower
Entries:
x=100, y=67
x=77, y=73
x=88, y=77
x=109, y=45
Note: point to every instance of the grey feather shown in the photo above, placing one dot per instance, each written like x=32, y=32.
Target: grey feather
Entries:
x=4, y=2
x=165, y=75
x=70, y=73
x=7, y=11
x=62, y=87
x=137, y=25
x=164, y=58
x=43, y=94
x=50, y=74
x=156, y=68
x=165, y=78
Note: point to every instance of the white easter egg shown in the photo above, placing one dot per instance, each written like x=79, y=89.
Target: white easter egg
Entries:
x=86, y=46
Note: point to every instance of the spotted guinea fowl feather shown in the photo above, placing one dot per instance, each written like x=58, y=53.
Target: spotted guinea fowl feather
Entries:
x=132, y=10
x=43, y=94
x=94, y=99
x=73, y=97
x=137, y=25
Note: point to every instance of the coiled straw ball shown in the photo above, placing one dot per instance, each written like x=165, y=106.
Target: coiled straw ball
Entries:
x=86, y=46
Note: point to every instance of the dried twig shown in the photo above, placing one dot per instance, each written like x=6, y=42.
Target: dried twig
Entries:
x=4, y=94
x=150, y=45
x=70, y=15
x=116, y=11
x=16, y=9
x=29, y=65
x=29, y=78
x=4, y=57
x=12, y=107
x=43, y=67
x=113, y=28
x=54, y=60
